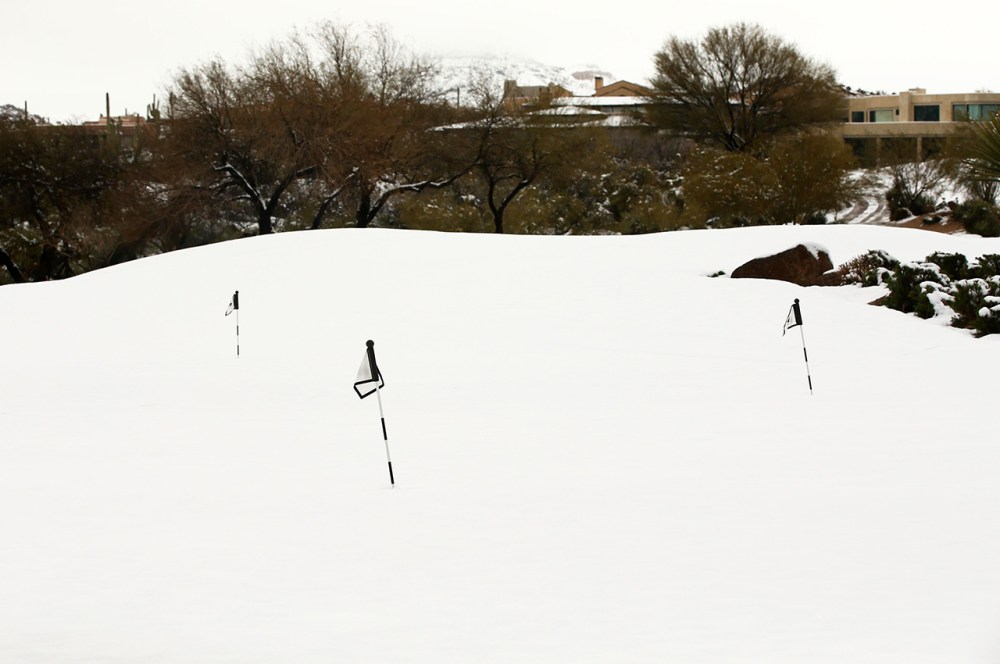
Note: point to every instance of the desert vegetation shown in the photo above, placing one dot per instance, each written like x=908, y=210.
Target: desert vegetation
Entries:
x=334, y=127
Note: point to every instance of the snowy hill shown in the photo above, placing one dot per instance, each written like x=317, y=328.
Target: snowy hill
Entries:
x=601, y=455
x=457, y=71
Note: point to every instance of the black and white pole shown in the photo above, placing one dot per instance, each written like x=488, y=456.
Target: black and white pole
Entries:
x=236, y=295
x=798, y=321
x=234, y=305
x=370, y=380
x=385, y=436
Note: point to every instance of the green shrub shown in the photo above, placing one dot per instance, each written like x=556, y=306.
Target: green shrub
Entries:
x=954, y=266
x=968, y=297
x=868, y=269
x=972, y=301
x=986, y=266
x=797, y=179
x=909, y=287
x=979, y=217
x=942, y=280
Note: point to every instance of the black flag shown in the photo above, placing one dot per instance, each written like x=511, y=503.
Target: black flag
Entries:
x=369, y=377
x=794, y=317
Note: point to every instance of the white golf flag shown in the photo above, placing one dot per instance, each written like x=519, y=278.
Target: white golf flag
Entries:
x=369, y=377
x=794, y=317
x=234, y=303
x=370, y=381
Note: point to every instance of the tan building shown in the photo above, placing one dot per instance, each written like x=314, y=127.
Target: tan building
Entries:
x=616, y=104
x=518, y=96
x=912, y=122
x=607, y=99
x=620, y=89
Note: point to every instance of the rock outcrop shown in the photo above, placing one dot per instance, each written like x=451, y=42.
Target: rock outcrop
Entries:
x=799, y=265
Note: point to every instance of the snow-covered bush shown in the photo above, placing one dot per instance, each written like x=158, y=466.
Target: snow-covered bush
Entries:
x=953, y=266
x=942, y=285
x=911, y=286
x=976, y=303
x=979, y=217
x=868, y=269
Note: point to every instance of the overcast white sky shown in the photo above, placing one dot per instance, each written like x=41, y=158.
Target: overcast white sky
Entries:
x=61, y=56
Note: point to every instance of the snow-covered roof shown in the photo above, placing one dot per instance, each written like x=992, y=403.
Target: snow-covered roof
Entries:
x=592, y=102
x=622, y=121
x=568, y=110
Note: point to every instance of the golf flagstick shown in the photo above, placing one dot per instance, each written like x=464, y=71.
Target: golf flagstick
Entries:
x=234, y=305
x=370, y=381
x=794, y=319
x=385, y=436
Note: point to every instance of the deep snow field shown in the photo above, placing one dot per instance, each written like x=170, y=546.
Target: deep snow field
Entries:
x=601, y=455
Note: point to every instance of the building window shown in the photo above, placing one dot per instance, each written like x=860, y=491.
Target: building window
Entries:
x=857, y=116
x=884, y=115
x=928, y=113
x=974, y=112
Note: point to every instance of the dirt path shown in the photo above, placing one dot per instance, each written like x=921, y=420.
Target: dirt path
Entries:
x=869, y=210
x=875, y=210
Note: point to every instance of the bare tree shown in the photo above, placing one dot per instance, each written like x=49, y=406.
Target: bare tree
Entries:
x=394, y=108
x=310, y=124
x=916, y=186
x=513, y=149
x=739, y=85
x=64, y=192
x=242, y=133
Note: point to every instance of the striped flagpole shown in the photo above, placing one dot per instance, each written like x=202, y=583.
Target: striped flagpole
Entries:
x=797, y=312
x=385, y=436
x=793, y=319
x=377, y=377
x=234, y=305
x=806, y=356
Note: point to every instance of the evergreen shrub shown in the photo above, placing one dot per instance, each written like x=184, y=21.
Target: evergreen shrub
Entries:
x=979, y=217
x=931, y=287
x=868, y=269
x=911, y=284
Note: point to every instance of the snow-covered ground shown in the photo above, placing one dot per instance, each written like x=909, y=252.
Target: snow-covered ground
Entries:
x=601, y=455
